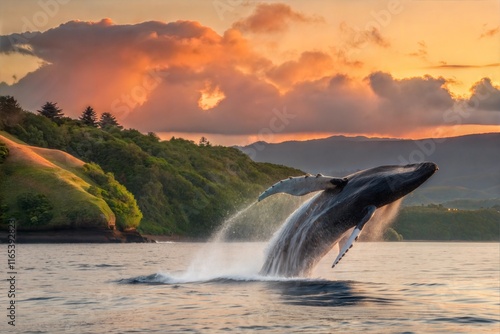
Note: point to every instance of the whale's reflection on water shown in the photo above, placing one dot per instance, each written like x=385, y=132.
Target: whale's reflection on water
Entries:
x=324, y=293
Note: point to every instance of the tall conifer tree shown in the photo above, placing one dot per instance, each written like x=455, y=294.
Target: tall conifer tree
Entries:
x=89, y=117
x=107, y=121
x=51, y=111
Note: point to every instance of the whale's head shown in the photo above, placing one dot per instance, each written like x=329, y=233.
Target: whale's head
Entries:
x=385, y=184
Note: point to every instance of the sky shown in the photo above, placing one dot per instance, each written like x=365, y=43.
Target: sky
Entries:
x=240, y=71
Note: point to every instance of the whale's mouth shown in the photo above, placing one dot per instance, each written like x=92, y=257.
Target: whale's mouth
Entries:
x=430, y=167
x=421, y=173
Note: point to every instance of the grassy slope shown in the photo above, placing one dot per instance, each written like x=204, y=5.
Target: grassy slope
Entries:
x=35, y=170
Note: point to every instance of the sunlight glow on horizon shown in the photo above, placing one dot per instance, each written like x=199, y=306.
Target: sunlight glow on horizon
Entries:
x=244, y=140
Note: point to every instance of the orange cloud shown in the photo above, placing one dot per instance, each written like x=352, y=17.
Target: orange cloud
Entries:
x=310, y=66
x=490, y=32
x=272, y=18
x=117, y=67
x=185, y=77
x=356, y=38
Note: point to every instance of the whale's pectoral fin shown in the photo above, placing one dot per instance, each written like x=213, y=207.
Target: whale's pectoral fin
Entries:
x=370, y=210
x=302, y=185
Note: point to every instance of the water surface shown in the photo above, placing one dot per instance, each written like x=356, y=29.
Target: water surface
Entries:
x=199, y=288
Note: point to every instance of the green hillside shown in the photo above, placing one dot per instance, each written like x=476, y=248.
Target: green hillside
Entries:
x=181, y=188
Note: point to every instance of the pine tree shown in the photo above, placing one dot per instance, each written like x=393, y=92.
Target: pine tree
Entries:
x=107, y=121
x=51, y=111
x=10, y=112
x=89, y=117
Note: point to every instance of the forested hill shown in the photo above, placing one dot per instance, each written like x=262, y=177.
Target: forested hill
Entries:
x=180, y=187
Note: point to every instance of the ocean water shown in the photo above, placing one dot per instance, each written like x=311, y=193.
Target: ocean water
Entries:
x=404, y=287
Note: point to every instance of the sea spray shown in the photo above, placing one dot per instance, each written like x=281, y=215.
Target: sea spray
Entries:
x=213, y=260
x=255, y=222
x=380, y=222
x=221, y=233
x=263, y=219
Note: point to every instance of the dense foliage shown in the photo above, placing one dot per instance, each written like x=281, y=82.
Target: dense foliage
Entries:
x=35, y=209
x=180, y=187
x=435, y=222
x=119, y=199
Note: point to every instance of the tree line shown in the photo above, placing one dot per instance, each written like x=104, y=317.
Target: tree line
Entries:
x=88, y=116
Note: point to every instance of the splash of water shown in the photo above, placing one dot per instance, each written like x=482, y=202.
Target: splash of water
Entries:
x=213, y=260
x=381, y=220
x=221, y=233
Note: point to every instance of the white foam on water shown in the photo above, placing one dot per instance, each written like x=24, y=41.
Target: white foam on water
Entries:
x=218, y=258
x=166, y=278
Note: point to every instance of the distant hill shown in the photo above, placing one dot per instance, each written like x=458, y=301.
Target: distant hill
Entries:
x=469, y=166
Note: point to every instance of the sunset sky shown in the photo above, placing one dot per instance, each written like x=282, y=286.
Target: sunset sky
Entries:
x=241, y=71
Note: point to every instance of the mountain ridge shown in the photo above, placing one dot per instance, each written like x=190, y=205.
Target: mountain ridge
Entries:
x=469, y=163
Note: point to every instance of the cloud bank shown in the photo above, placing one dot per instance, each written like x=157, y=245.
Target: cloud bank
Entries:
x=184, y=77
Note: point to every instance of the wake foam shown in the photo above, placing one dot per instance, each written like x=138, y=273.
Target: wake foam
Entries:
x=164, y=278
x=292, y=291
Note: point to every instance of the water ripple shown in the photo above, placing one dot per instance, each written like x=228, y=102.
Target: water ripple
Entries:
x=466, y=320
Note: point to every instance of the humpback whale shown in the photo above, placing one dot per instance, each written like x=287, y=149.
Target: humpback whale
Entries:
x=340, y=205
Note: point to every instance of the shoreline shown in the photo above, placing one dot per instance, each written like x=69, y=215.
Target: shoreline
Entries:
x=95, y=235
x=103, y=236
x=173, y=238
